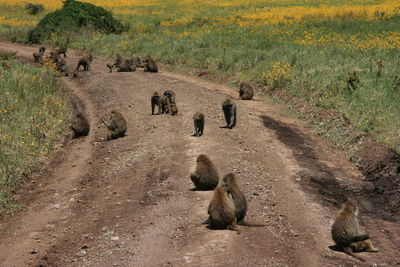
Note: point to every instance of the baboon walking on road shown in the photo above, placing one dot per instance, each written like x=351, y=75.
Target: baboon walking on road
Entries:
x=229, y=109
x=198, y=121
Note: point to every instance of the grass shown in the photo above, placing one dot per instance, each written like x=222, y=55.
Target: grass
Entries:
x=309, y=47
x=33, y=111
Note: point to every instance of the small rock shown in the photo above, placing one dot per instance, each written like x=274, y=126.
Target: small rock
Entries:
x=34, y=251
x=81, y=253
x=115, y=238
x=85, y=246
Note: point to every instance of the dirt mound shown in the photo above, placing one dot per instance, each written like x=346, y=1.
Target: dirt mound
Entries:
x=381, y=166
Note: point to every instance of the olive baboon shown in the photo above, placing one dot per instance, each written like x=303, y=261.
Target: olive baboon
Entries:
x=75, y=74
x=85, y=62
x=80, y=126
x=171, y=95
x=346, y=233
x=353, y=81
x=154, y=102
x=137, y=62
x=54, y=57
x=116, y=124
x=229, y=109
x=174, y=109
x=62, y=67
x=39, y=55
x=164, y=106
x=110, y=66
x=198, y=121
x=206, y=176
x=246, y=91
x=150, y=65
x=238, y=197
x=62, y=51
x=126, y=65
x=221, y=211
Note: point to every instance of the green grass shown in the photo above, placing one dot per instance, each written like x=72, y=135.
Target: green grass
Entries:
x=33, y=112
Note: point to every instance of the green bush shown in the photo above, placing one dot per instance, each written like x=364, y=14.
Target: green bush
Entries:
x=74, y=16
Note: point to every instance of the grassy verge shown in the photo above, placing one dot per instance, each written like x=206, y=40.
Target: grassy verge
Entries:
x=33, y=111
x=310, y=48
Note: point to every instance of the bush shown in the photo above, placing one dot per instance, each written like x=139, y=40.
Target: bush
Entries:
x=33, y=9
x=74, y=16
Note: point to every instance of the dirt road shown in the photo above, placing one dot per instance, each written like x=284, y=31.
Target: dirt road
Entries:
x=128, y=202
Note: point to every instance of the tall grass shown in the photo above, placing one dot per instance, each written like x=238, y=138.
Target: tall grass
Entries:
x=33, y=111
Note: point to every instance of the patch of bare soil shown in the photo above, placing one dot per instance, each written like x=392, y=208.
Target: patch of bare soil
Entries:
x=128, y=202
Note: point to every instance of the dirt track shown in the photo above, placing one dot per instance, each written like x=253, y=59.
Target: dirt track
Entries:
x=128, y=202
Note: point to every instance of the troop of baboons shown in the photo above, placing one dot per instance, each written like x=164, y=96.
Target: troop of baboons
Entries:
x=228, y=206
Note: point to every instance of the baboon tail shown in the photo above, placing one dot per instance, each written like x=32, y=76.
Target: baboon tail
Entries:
x=348, y=251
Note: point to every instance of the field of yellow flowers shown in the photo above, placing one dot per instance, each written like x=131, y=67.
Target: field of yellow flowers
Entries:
x=309, y=47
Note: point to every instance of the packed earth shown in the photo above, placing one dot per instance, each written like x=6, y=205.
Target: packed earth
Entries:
x=130, y=201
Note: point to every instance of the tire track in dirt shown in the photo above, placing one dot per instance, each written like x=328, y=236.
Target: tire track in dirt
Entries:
x=134, y=206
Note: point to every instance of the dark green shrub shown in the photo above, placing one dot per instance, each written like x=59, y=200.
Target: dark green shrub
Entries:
x=33, y=9
x=74, y=16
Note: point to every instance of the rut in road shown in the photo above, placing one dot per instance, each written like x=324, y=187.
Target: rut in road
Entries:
x=128, y=201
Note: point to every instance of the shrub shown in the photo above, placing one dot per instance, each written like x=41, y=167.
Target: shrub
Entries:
x=74, y=16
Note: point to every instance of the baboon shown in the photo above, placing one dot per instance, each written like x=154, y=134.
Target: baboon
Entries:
x=154, y=101
x=61, y=51
x=116, y=124
x=198, y=121
x=164, y=106
x=229, y=109
x=237, y=195
x=246, y=91
x=171, y=95
x=118, y=60
x=85, y=62
x=80, y=126
x=346, y=234
x=380, y=68
x=174, y=109
x=126, y=66
x=137, y=62
x=206, y=176
x=221, y=211
x=150, y=65
x=353, y=81
x=110, y=66
x=62, y=67
x=54, y=57
x=39, y=55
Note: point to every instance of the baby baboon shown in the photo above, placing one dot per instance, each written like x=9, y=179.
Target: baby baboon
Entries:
x=171, y=95
x=118, y=60
x=234, y=192
x=229, y=109
x=116, y=124
x=110, y=66
x=75, y=74
x=62, y=67
x=353, y=81
x=154, y=101
x=54, y=57
x=346, y=234
x=246, y=91
x=126, y=66
x=205, y=177
x=174, y=109
x=61, y=51
x=164, y=106
x=137, y=62
x=150, y=65
x=80, y=126
x=39, y=55
x=198, y=121
x=221, y=211
x=85, y=62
